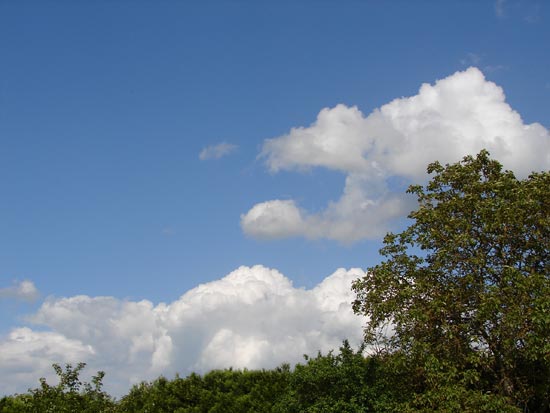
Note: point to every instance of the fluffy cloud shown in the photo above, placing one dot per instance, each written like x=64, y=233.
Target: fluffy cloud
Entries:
x=23, y=290
x=274, y=219
x=216, y=151
x=252, y=318
x=26, y=355
x=456, y=116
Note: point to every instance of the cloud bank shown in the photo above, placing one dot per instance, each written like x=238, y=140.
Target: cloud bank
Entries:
x=457, y=116
x=23, y=290
x=216, y=151
x=253, y=318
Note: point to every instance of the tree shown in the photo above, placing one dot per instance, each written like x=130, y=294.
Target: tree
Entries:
x=217, y=391
x=465, y=289
x=70, y=395
x=346, y=382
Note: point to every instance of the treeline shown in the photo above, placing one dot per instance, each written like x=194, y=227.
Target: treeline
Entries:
x=343, y=382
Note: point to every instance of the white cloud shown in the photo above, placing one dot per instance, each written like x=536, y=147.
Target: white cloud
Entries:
x=456, y=116
x=216, y=151
x=252, y=318
x=273, y=219
x=27, y=355
x=24, y=290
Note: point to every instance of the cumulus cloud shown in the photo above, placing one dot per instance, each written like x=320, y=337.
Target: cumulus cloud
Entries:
x=23, y=290
x=454, y=117
x=216, y=151
x=26, y=355
x=274, y=219
x=253, y=317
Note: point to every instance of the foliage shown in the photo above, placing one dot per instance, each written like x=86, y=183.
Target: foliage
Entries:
x=14, y=404
x=345, y=383
x=218, y=391
x=70, y=395
x=341, y=383
x=466, y=290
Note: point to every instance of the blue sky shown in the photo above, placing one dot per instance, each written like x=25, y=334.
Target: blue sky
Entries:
x=105, y=108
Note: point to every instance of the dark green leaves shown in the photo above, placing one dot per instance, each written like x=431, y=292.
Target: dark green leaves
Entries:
x=476, y=300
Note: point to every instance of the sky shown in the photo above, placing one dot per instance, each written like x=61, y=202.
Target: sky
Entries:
x=195, y=185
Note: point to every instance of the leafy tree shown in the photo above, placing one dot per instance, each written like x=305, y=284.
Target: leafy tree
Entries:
x=346, y=382
x=217, y=391
x=14, y=404
x=70, y=395
x=465, y=291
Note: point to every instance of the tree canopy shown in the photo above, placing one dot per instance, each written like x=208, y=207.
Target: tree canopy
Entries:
x=464, y=292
